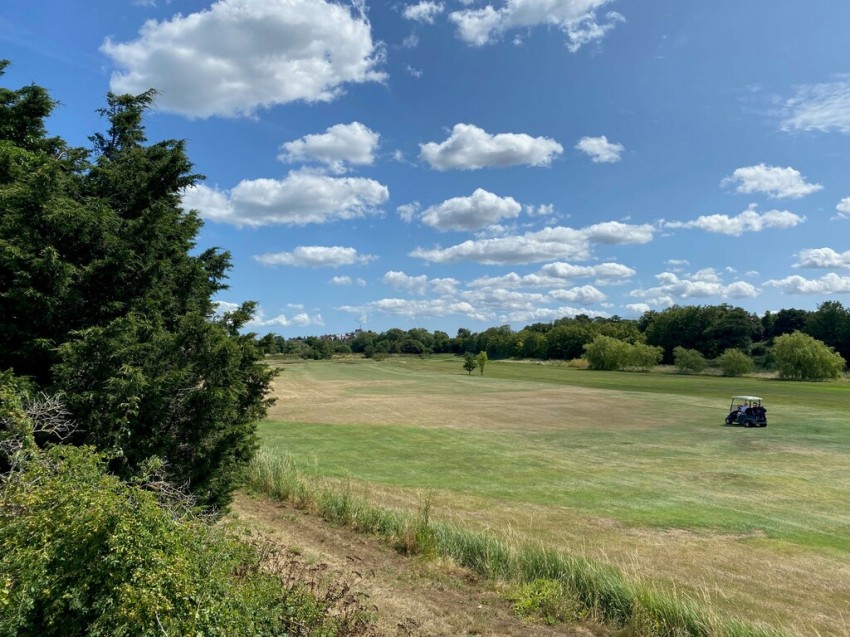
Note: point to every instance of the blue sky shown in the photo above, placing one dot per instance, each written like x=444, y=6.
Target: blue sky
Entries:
x=477, y=163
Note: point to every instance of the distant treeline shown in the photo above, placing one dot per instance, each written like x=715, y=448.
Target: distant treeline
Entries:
x=708, y=329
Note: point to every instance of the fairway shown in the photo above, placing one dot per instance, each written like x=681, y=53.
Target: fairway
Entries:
x=634, y=469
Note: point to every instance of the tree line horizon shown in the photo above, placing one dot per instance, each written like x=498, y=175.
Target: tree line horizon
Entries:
x=707, y=329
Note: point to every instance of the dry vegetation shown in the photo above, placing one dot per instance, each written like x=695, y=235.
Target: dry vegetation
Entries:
x=746, y=572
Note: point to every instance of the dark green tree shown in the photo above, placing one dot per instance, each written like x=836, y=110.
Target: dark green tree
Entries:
x=469, y=362
x=103, y=296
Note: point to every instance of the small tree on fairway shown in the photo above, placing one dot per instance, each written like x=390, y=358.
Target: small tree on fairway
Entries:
x=689, y=361
x=481, y=360
x=733, y=362
x=800, y=356
x=469, y=363
x=607, y=352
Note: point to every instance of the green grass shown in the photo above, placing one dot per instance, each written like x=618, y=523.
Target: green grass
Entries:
x=653, y=456
x=559, y=586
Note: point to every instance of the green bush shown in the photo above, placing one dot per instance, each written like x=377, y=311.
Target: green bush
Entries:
x=606, y=352
x=800, y=356
x=83, y=553
x=643, y=357
x=733, y=362
x=689, y=361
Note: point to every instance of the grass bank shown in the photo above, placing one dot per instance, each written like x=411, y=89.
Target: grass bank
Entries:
x=546, y=583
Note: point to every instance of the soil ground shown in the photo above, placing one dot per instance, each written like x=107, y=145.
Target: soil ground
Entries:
x=412, y=596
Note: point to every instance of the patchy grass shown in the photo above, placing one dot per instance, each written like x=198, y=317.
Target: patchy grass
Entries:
x=635, y=470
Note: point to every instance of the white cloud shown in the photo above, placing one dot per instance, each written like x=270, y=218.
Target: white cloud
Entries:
x=616, y=232
x=298, y=199
x=830, y=283
x=704, y=283
x=418, y=308
x=600, y=150
x=556, y=275
x=544, y=245
x=315, y=257
x=420, y=284
x=423, y=11
x=747, y=221
x=281, y=320
x=575, y=18
x=823, y=107
x=408, y=211
x=822, y=258
x=584, y=295
x=242, y=55
x=638, y=308
x=400, y=280
x=470, y=147
x=340, y=144
x=843, y=208
x=480, y=209
x=775, y=182
x=347, y=280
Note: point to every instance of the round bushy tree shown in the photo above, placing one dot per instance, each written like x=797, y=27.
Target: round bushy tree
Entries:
x=606, y=352
x=800, y=356
x=689, y=361
x=733, y=362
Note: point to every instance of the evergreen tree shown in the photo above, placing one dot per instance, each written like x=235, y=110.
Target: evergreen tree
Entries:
x=102, y=296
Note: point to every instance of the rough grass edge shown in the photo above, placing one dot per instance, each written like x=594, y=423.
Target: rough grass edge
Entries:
x=548, y=584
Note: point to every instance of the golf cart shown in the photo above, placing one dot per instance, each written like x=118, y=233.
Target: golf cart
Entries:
x=747, y=411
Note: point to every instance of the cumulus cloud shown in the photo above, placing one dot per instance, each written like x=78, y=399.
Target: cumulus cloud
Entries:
x=417, y=308
x=420, y=284
x=544, y=245
x=347, y=280
x=822, y=107
x=315, y=257
x=702, y=284
x=638, y=308
x=830, y=283
x=469, y=147
x=423, y=11
x=408, y=211
x=558, y=274
x=843, y=208
x=400, y=280
x=775, y=182
x=341, y=144
x=748, y=221
x=480, y=209
x=577, y=19
x=239, y=56
x=822, y=258
x=600, y=150
x=281, y=320
x=299, y=199
x=584, y=295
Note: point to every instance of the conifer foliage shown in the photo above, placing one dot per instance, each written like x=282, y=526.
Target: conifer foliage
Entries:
x=104, y=298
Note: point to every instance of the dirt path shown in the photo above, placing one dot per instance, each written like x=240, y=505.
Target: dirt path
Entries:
x=423, y=597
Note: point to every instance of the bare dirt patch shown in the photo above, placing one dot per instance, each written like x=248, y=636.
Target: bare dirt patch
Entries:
x=411, y=596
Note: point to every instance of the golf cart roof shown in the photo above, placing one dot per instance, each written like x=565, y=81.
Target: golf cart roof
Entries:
x=746, y=398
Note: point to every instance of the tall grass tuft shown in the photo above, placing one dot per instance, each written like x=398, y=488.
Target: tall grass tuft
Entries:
x=552, y=585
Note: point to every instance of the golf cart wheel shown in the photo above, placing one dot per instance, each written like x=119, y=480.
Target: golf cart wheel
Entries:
x=728, y=420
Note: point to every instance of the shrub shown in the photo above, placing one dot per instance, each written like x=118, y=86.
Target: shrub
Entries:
x=733, y=362
x=689, y=361
x=643, y=357
x=606, y=352
x=800, y=356
x=82, y=553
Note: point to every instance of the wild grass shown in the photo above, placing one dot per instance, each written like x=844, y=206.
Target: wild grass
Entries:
x=552, y=584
